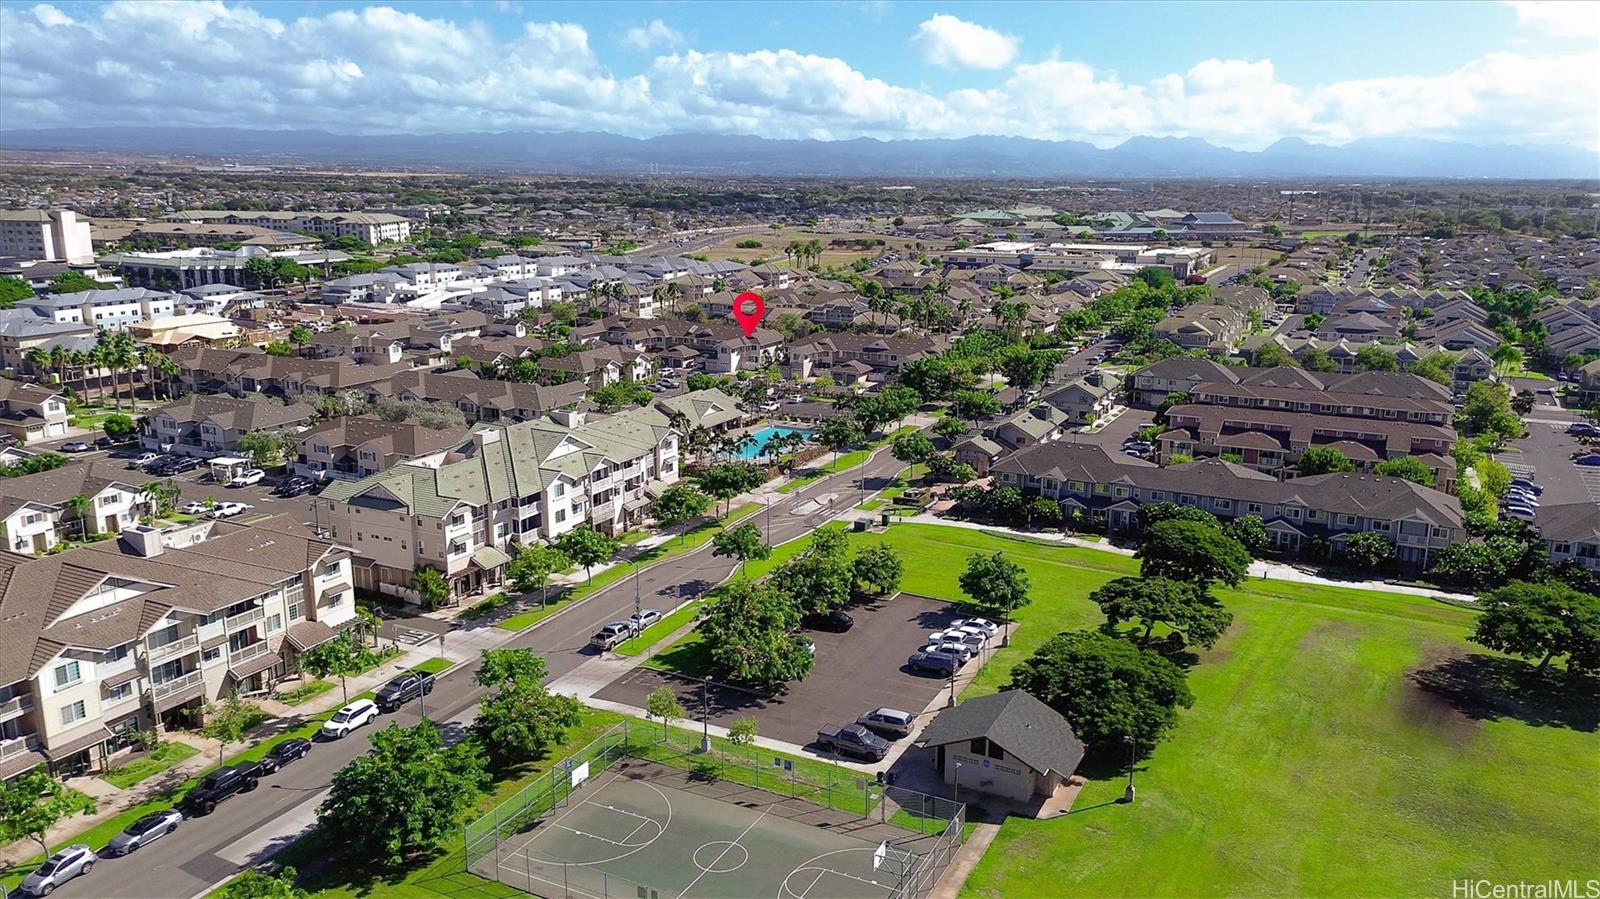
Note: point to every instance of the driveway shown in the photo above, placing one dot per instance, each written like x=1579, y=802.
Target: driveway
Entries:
x=855, y=672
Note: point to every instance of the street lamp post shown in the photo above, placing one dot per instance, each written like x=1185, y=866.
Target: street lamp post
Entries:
x=1133, y=755
x=768, y=498
x=705, y=714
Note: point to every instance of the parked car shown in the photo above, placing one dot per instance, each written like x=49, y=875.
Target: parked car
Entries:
x=1520, y=512
x=983, y=624
x=219, y=785
x=1582, y=427
x=194, y=509
x=108, y=441
x=75, y=446
x=180, y=464
x=228, y=509
x=59, y=868
x=643, y=618
x=248, y=478
x=284, y=753
x=404, y=688
x=612, y=635
x=1592, y=459
x=891, y=722
x=144, y=459
x=1525, y=484
x=836, y=621
x=146, y=830
x=347, y=719
x=962, y=652
x=293, y=487
x=941, y=663
x=853, y=740
x=973, y=640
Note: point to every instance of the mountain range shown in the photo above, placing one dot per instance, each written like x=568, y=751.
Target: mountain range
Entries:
x=577, y=152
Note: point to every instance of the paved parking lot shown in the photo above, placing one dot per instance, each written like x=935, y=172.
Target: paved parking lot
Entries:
x=1545, y=454
x=855, y=672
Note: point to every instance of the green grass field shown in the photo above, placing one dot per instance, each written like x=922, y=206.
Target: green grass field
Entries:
x=163, y=757
x=1311, y=762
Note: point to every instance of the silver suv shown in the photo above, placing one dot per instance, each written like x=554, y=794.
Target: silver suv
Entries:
x=59, y=868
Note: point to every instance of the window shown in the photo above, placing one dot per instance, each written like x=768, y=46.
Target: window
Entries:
x=995, y=752
x=67, y=675
x=978, y=745
x=558, y=490
x=274, y=623
x=329, y=570
x=108, y=500
x=561, y=515
x=297, y=610
x=119, y=692
x=1224, y=503
x=72, y=714
x=118, y=653
x=211, y=655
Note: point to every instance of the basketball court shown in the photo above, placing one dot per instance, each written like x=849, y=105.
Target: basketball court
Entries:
x=643, y=830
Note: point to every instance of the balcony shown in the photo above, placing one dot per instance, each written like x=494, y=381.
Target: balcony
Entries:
x=174, y=685
x=234, y=622
x=19, y=745
x=248, y=651
x=180, y=646
x=16, y=706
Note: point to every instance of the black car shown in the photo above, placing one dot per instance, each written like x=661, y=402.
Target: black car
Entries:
x=293, y=487
x=403, y=689
x=284, y=753
x=219, y=785
x=835, y=621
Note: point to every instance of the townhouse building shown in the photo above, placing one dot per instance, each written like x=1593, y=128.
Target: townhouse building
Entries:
x=355, y=447
x=205, y=426
x=139, y=633
x=815, y=355
x=108, y=310
x=1100, y=489
x=719, y=348
x=31, y=413
x=483, y=400
x=38, y=510
x=464, y=511
x=1273, y=441
x=1571, y=531
x=1087, y=398
x=243, y=372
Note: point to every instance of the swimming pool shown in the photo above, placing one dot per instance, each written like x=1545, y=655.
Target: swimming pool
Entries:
x=753, y=450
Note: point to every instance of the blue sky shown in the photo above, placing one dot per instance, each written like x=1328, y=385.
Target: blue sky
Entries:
x=1239, y=74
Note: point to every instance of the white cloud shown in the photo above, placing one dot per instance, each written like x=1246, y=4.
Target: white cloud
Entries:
x=655, y=34
x=949, y=42
x=1559, y=18
x=377, y=69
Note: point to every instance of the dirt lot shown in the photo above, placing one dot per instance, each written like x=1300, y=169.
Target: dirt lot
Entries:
x=773, y=242
x=855, y=672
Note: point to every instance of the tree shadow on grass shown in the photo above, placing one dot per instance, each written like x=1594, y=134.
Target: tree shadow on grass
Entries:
x=1489, y=688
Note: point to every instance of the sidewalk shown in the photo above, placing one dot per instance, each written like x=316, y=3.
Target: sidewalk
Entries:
x=112, y=801
x=1259, y=569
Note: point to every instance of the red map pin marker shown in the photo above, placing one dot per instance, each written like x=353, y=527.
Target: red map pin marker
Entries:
x=749, y=320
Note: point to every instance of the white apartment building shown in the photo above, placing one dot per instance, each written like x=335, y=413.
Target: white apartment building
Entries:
x=55, y=235
x=140, y=633
x=369, y=227
x=111, y=310
x=463, y=511
x=37, y=513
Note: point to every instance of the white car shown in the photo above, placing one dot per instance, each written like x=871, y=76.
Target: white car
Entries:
x=228, y=510
x=983, y=624
x=949, y=647
x=143, y=459
x=194, y=509
x=347, y=719
x=970, y=639
x=248, y=478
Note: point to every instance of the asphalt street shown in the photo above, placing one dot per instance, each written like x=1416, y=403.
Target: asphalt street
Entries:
x=250, y=826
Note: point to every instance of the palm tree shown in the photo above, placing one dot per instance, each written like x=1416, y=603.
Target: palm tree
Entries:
x=38, y=359
x=368, y=622
x=58, y=358
x=80, y=506
x=166, y=368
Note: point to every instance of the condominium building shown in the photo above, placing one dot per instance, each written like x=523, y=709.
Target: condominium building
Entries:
x=461, y=511
x=38, y=511
x=45, y=234
x=369, y=227
x=139, y=633
x=31, y=413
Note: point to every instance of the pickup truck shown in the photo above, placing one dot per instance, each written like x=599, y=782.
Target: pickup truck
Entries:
x=219, y=785
x=853, y=740
x=612, y=635
x=404, y=688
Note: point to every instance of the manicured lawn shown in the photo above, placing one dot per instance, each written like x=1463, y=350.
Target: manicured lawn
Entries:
x=677, y=546
x=165, y=756
x=656, y=632
x=1311, y=762
x=306, y=692
x=432, y=666
x=844, y=462
x=870, y=504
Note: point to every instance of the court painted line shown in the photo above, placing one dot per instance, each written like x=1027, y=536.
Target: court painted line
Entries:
x=632, y=847
x=759, y=818
x=820, y=874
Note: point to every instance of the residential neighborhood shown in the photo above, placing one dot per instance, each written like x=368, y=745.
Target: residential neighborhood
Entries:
x=466, y=450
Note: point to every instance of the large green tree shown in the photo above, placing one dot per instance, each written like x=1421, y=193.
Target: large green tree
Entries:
x=531, y=568
x=1369, y=551
x=1108, y=689
x=587, y=547
x=876, y=570
x=405, y=795
x=995, y=585
x=679, y=504
x=252, y=883
x=743, y=543
x=518, y=719
x=13, y=291
x=1408, y=468
x=1192, y=552
x=1324, y=460
x=749, y=633
x=1542, y=621
x=1150, y=601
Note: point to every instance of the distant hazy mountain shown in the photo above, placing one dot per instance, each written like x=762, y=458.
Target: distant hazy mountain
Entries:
x=715, y=154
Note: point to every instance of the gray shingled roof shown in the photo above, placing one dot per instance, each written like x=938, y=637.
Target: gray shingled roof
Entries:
x=1023, y=726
